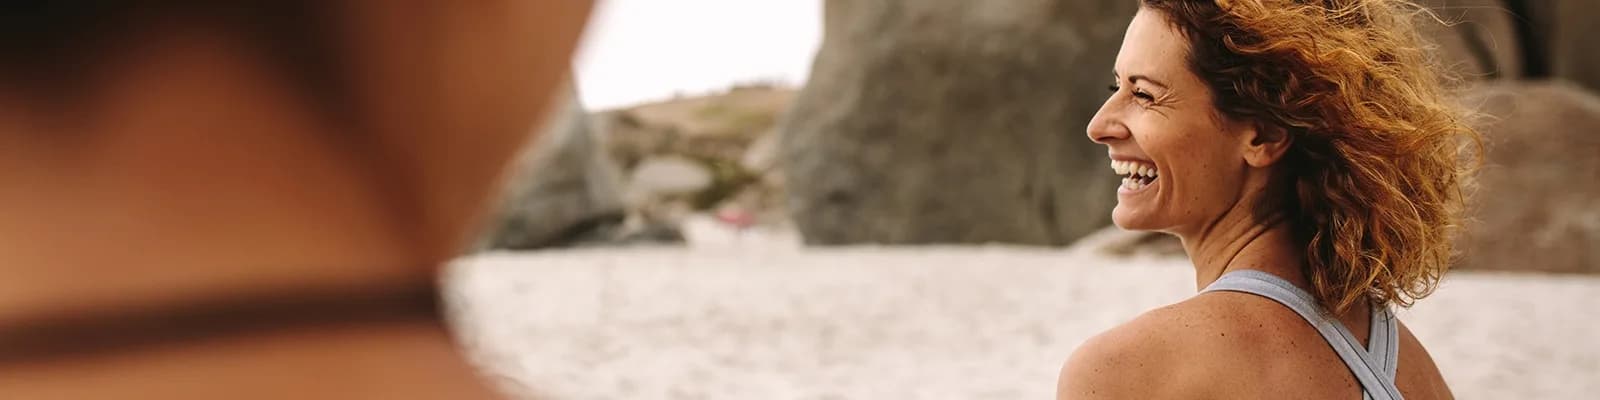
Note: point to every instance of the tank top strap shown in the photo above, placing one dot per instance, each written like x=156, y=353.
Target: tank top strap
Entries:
x=1383, y=341
x=1371, y=368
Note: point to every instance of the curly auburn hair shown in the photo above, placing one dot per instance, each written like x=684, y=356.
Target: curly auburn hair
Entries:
x=1376, y=169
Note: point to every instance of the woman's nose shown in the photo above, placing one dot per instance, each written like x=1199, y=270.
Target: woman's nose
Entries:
x=1106, y=126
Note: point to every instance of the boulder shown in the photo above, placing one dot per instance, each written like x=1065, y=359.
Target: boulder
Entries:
x=1557, y=39
x=563, y=188
x=1574, y=54
x=1537, y=207
x=762, y=155
x=953, y=121
x=666, y=176
x=1477, y=39
x=701, y=151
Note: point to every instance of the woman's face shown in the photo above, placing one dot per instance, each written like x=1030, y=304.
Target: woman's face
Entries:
x=1182, y=161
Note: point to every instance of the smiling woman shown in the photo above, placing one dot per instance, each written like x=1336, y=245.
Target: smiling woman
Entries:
x=1306, y=155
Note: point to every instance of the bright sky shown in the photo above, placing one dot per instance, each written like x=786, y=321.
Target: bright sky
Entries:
x=643, y=50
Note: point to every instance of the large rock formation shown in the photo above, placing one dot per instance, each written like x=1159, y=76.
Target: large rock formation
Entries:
x=1574, y=53
x=1556, y=38
x=563, y=187
x=954, y=121
x=1477, y=39
x=698, y=154
x=1538, y=205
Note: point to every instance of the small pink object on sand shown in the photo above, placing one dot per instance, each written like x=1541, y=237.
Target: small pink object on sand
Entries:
x=736, y=217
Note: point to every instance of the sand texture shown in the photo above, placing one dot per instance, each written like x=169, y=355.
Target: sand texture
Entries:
x=922, y=323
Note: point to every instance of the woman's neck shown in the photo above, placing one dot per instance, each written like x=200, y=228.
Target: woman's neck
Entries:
x=1242, y=240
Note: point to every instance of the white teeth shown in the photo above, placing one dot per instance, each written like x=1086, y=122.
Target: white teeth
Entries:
x=1131, y=183
x=1133, y=168
x=1147, y=171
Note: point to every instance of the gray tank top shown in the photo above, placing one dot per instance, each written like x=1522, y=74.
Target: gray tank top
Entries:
x=1374, y=366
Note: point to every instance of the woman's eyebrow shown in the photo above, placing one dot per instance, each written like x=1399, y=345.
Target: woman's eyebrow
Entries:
x=1137, y=78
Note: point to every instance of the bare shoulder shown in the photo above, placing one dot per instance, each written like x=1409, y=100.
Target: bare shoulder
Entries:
x=1418, y=377
x=1118, y=363
x=1228, y=345
x=1169, y=352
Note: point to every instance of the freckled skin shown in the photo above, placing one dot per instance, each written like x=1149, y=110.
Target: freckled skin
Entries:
x=1213, y=174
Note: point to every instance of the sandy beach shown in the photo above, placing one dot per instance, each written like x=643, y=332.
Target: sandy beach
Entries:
x=777, y=322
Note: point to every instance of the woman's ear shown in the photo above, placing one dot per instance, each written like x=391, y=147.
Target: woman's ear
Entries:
x=1265, y=144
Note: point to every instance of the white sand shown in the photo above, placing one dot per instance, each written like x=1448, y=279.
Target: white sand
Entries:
x=725, y=322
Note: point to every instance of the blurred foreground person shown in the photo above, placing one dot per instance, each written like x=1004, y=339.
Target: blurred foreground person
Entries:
x=1310, y=161
x=251, y=199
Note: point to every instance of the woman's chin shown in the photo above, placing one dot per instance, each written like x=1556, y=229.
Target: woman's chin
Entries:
x=1130, y=220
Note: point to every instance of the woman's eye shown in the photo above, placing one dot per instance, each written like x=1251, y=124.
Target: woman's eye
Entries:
x=1139, y=95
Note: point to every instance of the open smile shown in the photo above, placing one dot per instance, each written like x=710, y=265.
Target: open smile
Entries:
x=1136, y=175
